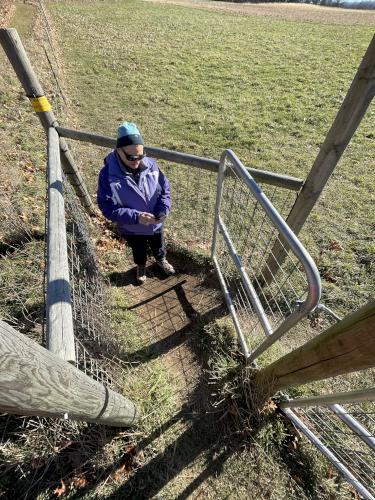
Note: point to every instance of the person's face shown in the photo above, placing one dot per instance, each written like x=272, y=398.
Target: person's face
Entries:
x=127, y=152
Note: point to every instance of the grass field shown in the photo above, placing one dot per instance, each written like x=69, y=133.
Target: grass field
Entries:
x=199, y=80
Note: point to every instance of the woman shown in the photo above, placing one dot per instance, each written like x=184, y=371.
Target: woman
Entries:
x=135, y=194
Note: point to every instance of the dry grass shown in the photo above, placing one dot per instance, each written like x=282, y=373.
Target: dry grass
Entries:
x=7, y=9
x=286, y=11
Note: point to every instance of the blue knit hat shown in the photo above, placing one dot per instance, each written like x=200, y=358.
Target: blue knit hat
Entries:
x=127, y=134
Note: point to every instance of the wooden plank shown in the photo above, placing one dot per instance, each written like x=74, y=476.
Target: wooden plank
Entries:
x=60, y=334
x=284, y=181
x=349, y=116
x=17, y=56
x=346, y=347
x=33, y=381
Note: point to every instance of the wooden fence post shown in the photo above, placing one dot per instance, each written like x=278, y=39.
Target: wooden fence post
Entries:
x=33, y=381
x=349, y=116
x=60, y=336
x=346, y=347
x=17, y=56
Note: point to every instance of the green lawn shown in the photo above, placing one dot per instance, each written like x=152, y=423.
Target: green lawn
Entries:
x=202, y=81
x=199, y=82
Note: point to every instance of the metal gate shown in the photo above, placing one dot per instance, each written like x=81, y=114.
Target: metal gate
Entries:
x=265, y=305
x=344, y=433
x=246, y=227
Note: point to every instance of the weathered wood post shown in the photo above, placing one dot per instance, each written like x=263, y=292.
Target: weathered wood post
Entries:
x=60, y=336
x=33, y=381
x=17, y=56
x=349, y=116
x=346, y=347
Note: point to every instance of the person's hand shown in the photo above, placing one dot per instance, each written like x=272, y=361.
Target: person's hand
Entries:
x=146, y=218
x=160, y=218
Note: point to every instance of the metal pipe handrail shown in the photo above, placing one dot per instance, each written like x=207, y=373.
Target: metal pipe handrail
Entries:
x=356, y=426
x=245, y=280
x=228, y=300
x=293, y=243
x=283, y=181
x=329, y=399
x=328, y=454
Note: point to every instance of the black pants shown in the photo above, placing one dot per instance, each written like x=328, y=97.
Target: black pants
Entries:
x=139, y=244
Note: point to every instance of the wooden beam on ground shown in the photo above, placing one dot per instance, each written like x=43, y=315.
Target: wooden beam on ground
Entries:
x=33, y=381
x=60, y=336
x=349, y=116
x=17, y=56
x=346, y=347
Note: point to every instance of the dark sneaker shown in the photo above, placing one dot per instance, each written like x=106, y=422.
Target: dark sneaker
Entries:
x=141, y=274
x=166, y=266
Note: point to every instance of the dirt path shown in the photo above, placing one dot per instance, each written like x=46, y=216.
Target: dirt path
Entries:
x=169, y=309
x=287, y=11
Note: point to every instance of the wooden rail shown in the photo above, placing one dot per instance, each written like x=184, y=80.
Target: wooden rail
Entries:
x=284, y=181
x=33, y=381
x=60, y=336
x=17, y=56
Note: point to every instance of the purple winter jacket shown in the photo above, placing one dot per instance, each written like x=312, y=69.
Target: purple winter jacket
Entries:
x=121, y=198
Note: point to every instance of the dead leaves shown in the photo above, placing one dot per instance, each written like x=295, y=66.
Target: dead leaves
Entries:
x=329, y=276
x=127, y=464
x=131, y=458
x=119, y=474
x=37, y=463
x=59, y=492
x=78, y=482
x=74, y=483
x=329, y=261
x=108, y=242
x=316, y=321
x=334, y=246
x=270, y=406
x=29, y=170
x=63, y=444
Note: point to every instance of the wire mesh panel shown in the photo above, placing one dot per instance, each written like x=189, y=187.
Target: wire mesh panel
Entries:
x=352, y=451
x=340, y=424
x=249, y=225
x=193, y=206
x=89, y=297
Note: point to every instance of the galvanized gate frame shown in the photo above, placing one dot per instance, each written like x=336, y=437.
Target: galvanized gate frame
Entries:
x=291, y=243
x=334, y=403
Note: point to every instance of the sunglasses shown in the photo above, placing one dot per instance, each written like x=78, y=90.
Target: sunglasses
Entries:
x=133, y=157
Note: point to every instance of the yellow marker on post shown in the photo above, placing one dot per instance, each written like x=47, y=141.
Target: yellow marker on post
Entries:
x=40, y=104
